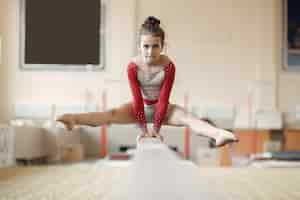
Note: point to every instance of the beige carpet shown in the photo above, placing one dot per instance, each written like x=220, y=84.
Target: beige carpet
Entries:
x=91, y=181
x=57, y=182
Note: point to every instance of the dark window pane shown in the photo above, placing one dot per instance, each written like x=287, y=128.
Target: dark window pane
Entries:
x=62, y=32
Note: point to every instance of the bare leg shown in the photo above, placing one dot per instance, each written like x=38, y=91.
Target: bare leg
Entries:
x=178, y=117
x=121, y=115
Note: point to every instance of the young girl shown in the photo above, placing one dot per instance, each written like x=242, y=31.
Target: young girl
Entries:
x=151, y=76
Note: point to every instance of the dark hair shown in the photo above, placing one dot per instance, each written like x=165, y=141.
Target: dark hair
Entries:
x=151, y=26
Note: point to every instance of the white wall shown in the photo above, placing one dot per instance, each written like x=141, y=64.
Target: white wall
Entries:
x=61, y=87
x=220, y=48
x=1, y=66
x=5, y=76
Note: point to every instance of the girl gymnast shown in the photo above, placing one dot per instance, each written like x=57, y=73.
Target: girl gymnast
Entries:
x=150, y=75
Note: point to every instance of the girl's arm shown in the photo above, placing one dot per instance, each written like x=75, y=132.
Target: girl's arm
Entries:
x=138, y=104
x=163, y=100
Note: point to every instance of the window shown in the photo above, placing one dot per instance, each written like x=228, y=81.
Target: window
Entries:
x=291, y=35
x=62, y=34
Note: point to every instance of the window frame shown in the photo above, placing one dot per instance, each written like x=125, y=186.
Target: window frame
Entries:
x=286, y=50
x=62, y=67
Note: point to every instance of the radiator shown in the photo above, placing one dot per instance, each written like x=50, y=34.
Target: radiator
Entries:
x=6, y=145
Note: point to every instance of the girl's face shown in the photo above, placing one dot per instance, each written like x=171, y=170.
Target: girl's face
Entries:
x=150, y=48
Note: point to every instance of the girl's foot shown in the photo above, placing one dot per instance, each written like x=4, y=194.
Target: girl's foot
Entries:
x=224, y=137
x=68, y=120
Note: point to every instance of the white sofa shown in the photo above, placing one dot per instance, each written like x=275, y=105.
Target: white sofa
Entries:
x=30, y=143
x=37, y=140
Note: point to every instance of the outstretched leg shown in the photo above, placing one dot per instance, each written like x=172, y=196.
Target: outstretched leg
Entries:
x=121, y=115
x=178, y=117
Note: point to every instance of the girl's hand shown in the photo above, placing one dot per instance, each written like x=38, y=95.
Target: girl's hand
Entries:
x=157, y=135
x=143, y=135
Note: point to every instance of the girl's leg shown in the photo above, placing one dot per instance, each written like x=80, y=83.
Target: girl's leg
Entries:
x=121, y=115
x=178, y=117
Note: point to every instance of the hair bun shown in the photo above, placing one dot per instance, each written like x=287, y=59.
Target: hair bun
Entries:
x=151, y=22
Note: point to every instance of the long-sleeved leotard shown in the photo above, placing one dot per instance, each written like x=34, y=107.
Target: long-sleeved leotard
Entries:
x=151, y=88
